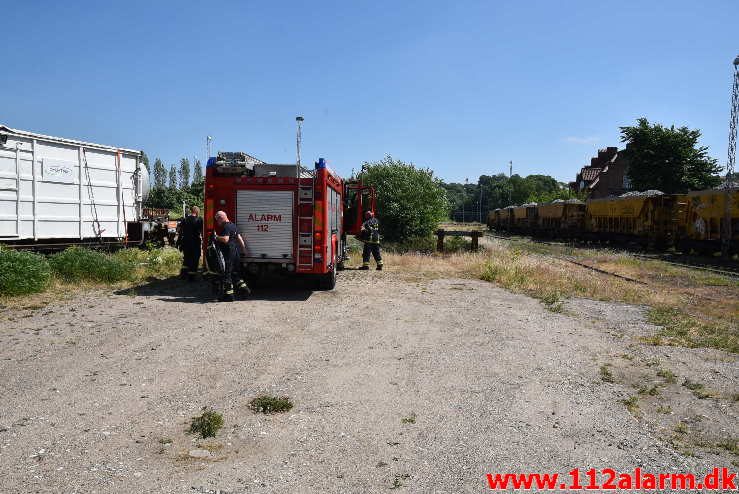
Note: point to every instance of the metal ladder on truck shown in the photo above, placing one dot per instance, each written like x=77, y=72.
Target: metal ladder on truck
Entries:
x=306, y=201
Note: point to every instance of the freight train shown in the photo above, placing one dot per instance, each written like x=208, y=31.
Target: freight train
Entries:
x=687, y=222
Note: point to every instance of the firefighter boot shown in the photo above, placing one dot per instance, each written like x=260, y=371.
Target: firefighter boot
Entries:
x=243, y=289
x=228, y=293
x=379, y=266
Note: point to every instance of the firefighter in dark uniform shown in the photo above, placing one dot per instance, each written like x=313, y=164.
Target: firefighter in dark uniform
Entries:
x=370, y=235
x=231, y=244
x=190, y=242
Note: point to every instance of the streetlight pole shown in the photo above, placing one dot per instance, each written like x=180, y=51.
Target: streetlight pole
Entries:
x=298, y=140
x=731, y=158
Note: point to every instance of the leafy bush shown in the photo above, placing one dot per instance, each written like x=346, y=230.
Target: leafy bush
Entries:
x=79, y=264
x=22, y=272
x=410, y=200
x=206, y=424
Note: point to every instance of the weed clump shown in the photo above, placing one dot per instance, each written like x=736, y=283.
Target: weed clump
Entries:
x=206, y=424
x=667, y=375
x=632, y=404
x=606, y=375
x=23, y=272
x=271, y=404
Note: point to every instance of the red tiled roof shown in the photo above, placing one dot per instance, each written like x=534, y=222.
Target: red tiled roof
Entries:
x=589, y=173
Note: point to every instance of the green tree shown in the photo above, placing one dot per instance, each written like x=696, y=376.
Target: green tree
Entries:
x=410, y=201
x=172, y=177
x=184, y=173
x=160, y=174
x=197, y=174
x=668, y=159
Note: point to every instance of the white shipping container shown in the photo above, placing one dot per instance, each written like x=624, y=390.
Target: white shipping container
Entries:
x=55, y=188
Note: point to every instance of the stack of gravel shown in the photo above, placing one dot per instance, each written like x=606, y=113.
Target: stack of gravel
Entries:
x=646, y=193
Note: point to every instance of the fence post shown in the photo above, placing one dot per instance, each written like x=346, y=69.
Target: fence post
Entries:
x=440, y=240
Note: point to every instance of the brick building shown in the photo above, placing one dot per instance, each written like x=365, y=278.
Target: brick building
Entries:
x=605, y=176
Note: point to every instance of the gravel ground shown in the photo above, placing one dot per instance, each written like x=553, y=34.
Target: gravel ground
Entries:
x=98, y=391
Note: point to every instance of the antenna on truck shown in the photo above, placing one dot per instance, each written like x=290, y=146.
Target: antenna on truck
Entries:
x=298, y=142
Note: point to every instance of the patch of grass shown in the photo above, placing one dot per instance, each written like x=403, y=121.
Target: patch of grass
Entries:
x=698, y=389
x=411, y=419
x=23, y=272
x=423, y=245
x=397, y=481
x=632, y=404
x=79, y=264
x=651, y=391
x=606, y=375
x=679, y=328
x=665, y=410
x=207, y=424
x=145, y=263
x=552, y=300
x=667, y=375
x=271, y=404
x=681, y=428
x=692, y=385
x=165, y=440
x=730, y=445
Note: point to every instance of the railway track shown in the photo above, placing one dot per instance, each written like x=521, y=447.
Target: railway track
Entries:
x=730, y=269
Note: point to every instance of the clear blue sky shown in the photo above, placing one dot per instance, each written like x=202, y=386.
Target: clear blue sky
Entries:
x=462, y=87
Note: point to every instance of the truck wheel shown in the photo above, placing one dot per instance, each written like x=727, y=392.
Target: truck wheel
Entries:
x=328, y=281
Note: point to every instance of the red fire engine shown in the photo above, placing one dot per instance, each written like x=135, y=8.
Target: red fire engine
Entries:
x=294, y=220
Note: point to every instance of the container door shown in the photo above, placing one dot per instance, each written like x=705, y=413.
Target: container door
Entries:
x=265, y=218
x=9, y=193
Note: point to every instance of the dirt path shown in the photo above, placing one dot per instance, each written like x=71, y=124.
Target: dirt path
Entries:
x=93, y=390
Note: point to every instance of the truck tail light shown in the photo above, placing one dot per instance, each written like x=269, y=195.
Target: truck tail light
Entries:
x=317, y=241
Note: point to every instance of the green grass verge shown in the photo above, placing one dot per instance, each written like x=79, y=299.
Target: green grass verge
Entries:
x=22, y=273
x=681, y=329
x=78, y=264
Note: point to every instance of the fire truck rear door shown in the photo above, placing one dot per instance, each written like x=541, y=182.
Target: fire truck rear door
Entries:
x=265, y=218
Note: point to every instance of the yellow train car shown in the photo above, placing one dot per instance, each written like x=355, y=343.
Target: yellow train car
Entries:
x=494, y=219
x=561, y=218
x=700, y=219
x=640, y=218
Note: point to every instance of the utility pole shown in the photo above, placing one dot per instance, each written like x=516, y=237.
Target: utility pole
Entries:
x=731, y=158
x=480, y=185
x=466, y=183
x=510, y=184
x=208, y=140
